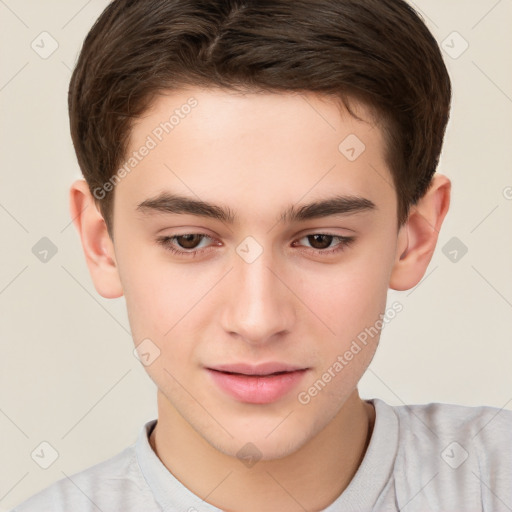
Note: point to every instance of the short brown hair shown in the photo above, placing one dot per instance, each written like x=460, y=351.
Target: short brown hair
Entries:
x=376, y=51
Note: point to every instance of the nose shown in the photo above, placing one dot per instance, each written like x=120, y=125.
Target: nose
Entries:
x=260, y=307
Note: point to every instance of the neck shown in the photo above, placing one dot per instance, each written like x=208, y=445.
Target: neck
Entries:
x=309, y=479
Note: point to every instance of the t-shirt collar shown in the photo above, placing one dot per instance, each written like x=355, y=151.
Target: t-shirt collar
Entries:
x=363, y=492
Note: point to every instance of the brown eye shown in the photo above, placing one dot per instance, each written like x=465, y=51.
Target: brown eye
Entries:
x=187, y=244
x=321, y=244
x=320, y=241
x=189, y=241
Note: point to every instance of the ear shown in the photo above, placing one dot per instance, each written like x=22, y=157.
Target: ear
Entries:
x=417, y=238
x=96, y=243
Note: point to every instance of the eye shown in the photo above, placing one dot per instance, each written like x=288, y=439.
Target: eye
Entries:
x=322, y=241
x=187, y=241
x=188, y=244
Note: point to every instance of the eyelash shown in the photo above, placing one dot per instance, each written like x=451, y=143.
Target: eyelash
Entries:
x=344, y=242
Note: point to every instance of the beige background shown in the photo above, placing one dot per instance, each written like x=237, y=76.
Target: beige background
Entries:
x=68, y=374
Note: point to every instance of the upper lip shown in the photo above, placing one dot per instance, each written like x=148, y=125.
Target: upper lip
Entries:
x=259, y=369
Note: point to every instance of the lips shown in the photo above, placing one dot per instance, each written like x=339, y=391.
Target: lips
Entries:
x=256, y=384
x=261, y=370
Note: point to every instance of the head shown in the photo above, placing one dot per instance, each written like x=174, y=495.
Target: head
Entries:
x=299, y=142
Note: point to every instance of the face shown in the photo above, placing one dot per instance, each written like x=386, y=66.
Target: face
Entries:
x=255, y=277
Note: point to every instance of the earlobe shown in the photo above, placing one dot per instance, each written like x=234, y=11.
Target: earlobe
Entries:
x=417, y=239
x=96, y=243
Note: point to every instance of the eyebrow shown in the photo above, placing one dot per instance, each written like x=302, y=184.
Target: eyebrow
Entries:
x=169, y=203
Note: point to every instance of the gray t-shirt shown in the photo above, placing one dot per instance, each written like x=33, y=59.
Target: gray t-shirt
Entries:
x=434, y=457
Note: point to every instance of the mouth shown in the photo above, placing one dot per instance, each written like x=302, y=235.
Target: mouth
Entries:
x=258, y=384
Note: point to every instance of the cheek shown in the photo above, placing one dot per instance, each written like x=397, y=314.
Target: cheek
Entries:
x=351, y=308
x=159, y=311
x=154, y=296
x=166, y=303
x=348, y=298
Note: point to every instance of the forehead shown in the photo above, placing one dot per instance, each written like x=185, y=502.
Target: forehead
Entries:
x=254, y=151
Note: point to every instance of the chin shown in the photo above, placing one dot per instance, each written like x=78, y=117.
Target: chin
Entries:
x=257, y=449
x=259, y=440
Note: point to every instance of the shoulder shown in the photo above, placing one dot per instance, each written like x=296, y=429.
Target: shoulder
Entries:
x=108, y=485
x=481, y=426
x=454, y=455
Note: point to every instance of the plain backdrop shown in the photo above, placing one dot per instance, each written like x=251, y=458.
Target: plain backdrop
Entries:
x=68, y=374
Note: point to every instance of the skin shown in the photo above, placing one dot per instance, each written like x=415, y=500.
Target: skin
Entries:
x=258, y=154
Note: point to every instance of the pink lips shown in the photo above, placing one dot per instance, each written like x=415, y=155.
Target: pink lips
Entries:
x=256, y=384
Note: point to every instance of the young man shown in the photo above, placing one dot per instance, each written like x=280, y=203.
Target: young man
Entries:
x=258, y=175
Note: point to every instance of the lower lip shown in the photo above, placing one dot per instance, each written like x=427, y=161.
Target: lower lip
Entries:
x=257, y=390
